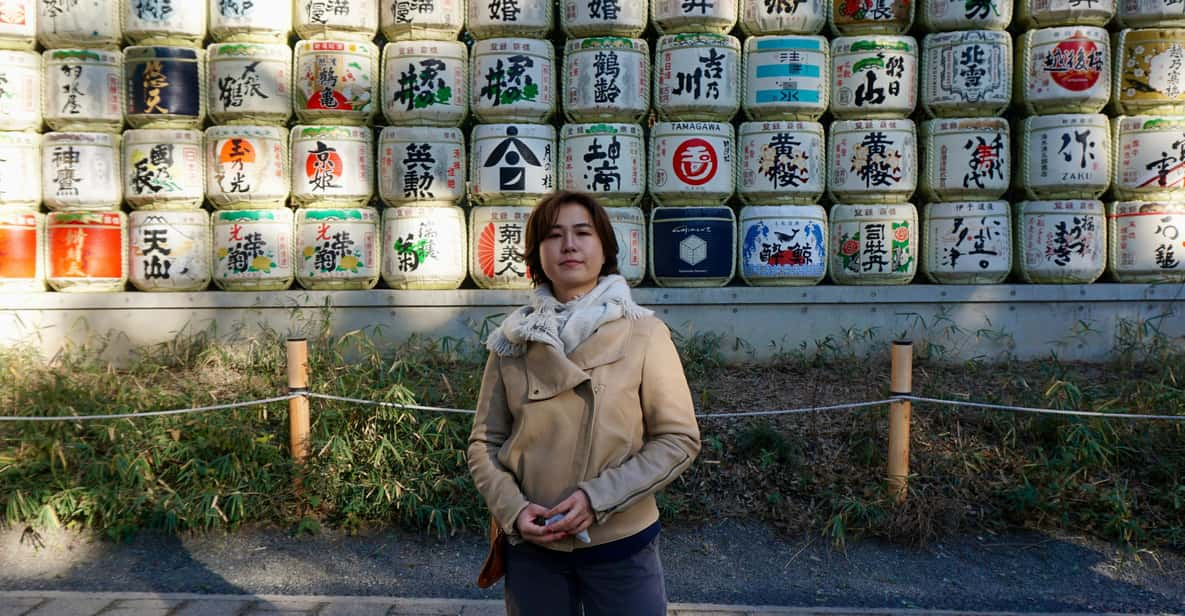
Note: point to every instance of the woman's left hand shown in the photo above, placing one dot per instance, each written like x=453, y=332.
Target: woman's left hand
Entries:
x=577, y=514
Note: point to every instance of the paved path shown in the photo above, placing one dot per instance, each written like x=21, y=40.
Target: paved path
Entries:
x=52, y=603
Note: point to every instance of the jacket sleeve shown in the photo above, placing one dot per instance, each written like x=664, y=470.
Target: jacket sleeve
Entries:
x=671, y=434
x=491, y=427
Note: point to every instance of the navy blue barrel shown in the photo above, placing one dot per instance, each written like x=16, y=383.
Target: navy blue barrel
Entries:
x=692, y=246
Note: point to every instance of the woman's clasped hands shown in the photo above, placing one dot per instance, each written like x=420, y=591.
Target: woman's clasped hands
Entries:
x=577, y=517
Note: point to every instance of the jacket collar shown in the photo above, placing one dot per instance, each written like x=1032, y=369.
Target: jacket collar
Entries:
x=549, y=372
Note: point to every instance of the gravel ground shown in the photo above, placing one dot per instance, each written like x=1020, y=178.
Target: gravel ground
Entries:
x=731, y=561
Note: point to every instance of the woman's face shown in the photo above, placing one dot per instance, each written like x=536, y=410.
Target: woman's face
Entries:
x=571, y=253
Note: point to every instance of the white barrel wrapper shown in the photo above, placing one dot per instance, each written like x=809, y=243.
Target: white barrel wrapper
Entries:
x=1060, y=242
x=1064, y=70
x=580, y=18
x=497, y=244
x=332, y=166
x=629, y=228
x=967, y=242
x=247, y=167
x=607, y=161
x=170, y=251
x=759, y=17
x=697, y=77
x=250, y=21
x=873, y=244
x=83, y=89
x=874, y=76
x=1145, y=241
x=249, y=83
x=786, y=77
x=337, y=248
x=872, y=161
x=81, y=171
x=511, y=163
x=966, y=73
x=419, y=165
x=253, y=249
x=425, y=83
x=1149, y=157
x=965, y=159
x=163, y=169
x=782, y=162
x=20, y=170
x=782, y=245
x=402, y=20
x=356, y=20
x=1065, y=156
x=513, y=80
x=692, y=163
x=164, y=22
x=606, y=79
x=424, y=247
x=494, y=18
x=92, y=24
x=20, y=89
x=336, y=82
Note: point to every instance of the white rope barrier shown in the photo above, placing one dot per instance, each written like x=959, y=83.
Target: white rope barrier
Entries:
x=410, y=407
x=798, y=411
x=200, y=409
x=1028, y=409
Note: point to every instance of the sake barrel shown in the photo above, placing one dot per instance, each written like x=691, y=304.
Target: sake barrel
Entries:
x=22, y=251
x=163, y=169
x=513, y=80
x=250, y=21
x=872, y=161
x=1060, y=242
x=425, y=83
x=497, y=245
x=61, y=23
x=1146, y=243
x=674, y=16
x=692, y=163
x=336, y=82
x=253, y=249
x=1149, y=71
x=851, y=17
x=966, y=73
x=581, y=18
x=20, y=89
x=697, y=77
x=607, y=161
x=1045, y=13
x=965, y=159
x=629, y=229
x=507, y=18
x=786, y=77
x=873, y=243
x=164, y=22
x=424, y=247
x=164, y=87
x=18, y=24
x=967, y=242
x=759, y=17
x=1065, y=156
x=355, y=20
x=945, y=15
x=511, y=163
x=20, y=170
x=338, y=248
x=249, y=83
x=692, y=246
x=1064, y=70
x=83, y=90
x=85, y=251
x=418, y=165
x=1149, y=13
x=783, y=245
x=874, y=76
x=606, y=79
x=80, y=171
x=402, y=20
x=332, y=166
x=1149, y=157
x=170, y=251
x=247, y=167
x=782, y=163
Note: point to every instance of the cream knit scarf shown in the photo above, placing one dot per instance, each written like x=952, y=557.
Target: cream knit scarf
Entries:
x=564, y=326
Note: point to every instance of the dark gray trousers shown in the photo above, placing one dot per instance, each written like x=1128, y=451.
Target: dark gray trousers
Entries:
x=540, y=584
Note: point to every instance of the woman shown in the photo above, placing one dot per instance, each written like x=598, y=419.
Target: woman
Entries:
x=584, y=414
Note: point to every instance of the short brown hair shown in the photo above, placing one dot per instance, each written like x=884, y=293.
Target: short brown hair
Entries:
x=544, y=216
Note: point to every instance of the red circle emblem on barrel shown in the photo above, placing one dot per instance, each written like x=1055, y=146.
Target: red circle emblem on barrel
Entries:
x=695, y=161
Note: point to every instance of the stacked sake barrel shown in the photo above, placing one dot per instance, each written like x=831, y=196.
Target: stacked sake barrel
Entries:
x=966, y=85
x=1063, y=82
x=1145, y=219
x=692, y=157
x=512, y=150
x=872, y=146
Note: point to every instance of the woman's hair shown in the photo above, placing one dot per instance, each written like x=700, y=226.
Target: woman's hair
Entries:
x=544, y=216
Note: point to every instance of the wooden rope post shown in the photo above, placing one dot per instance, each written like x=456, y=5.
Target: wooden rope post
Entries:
x=298, y=408
x=900, y=383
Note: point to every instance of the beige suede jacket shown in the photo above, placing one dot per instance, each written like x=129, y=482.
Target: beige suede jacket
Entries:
x=614, y=418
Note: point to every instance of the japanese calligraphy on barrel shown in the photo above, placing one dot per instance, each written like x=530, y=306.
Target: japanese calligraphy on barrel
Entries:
x=872, y=161
x=606, y=79
x=247, y=167
x=783, y=245
x=1149, y=71
x=675, y=16
x=692, y=163
x=253, y=249
x=782, y=163
x=20, y=170
x=165, y=87
x=424, y=247
x=1060, y=242
x=332, y=166
x=1149, y=157
x=692, y=246
x=945, y=15
x=580, y=18
x=874, y=76
x=250, y=21
x=164, y=22
x=336, y=82
x=873, y=243
x=511, y=164
x=607, y=161
x=94, y=25
x=1064, y=70
x=629, y=229
x=22, y=251
x=20, y=89
x=786, y=77
x=967, y=73
x=425, y=83
x=85, y=251
x=355, y=20
x=497, y=245
x=338, y=248
x=1065, y=156
x=163, y=169
x=965, y=159
x=501, y=18
x=249, y=83
x=84, y=89
x=402, y=20
x=1146, y=243
x=1046, y=13
x=1149, y=13
x=18, y=24
x=851, y=17
x=967, y=242
x=170, y=251
x=81, y=171
x=513, y=80
x=421, y=166
x=697, y=77
x=761, y=17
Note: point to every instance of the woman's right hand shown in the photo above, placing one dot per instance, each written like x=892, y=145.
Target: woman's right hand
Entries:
x=530, y=525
